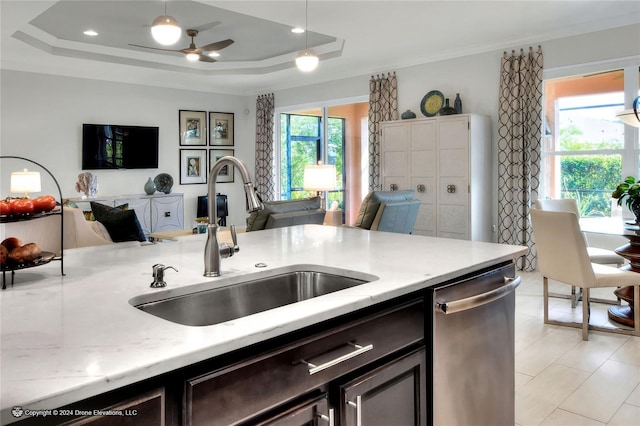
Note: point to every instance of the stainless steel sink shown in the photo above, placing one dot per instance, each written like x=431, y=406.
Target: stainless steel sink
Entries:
x=202, y=307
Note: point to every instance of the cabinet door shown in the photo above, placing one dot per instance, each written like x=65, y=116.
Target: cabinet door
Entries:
x=454, y=220
x=311, y=413
x=393, y=394
x=394, y=156
x=167, y=213
x=423, y=173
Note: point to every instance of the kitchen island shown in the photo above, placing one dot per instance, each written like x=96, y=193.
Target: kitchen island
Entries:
x=66, y=339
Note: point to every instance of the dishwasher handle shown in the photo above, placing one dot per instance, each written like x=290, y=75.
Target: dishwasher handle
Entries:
x=453, y=306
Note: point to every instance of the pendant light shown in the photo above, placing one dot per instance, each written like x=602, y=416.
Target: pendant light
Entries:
x=165, y=29
x=306, y=60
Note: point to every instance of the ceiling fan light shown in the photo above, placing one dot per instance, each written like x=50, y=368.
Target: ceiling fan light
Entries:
x=306, y=61
x=165, y=30
x=193, y=57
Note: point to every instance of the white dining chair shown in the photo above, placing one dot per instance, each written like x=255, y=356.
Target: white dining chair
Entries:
x=562, y=256
x=596, y=254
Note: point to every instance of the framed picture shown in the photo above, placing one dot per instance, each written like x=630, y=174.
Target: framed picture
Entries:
x=193, y=128
x=226, y=174
x=193, y=166
x=221, y=127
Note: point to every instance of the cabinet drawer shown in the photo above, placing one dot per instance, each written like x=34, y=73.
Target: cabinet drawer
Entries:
x=144, y=410
x=237, y=393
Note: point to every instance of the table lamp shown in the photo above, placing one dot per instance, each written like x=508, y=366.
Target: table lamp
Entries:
x=320, y=178
x=25, y=182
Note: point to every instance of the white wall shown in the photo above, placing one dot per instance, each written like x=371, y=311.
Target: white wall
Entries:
x=42, y=115
x=42, y=119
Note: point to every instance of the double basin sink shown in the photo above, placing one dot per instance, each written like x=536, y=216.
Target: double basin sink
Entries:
x=202, y=304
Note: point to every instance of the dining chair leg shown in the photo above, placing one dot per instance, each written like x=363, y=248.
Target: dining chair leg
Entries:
x=585, y=314
x=636, y=310
x=545, y=298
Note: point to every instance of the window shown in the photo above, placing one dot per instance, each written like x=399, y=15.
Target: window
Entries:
x=586, y=148
x=301, y=144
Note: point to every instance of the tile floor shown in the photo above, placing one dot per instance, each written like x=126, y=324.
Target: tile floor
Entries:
x=563, y=380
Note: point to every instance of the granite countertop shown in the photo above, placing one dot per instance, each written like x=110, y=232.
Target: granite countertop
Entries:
x=67, y=338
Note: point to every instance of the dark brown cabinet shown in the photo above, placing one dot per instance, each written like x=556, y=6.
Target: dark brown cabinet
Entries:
x=371, y=349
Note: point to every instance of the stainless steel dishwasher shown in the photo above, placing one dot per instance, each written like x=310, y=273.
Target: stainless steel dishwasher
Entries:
x=473, y=349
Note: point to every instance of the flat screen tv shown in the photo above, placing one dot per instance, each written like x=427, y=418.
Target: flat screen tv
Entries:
x=111, y=146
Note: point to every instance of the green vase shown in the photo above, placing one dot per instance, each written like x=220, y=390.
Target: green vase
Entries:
x=150, y=187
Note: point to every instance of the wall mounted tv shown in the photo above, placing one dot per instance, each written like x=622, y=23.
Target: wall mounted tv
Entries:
x=111, y=146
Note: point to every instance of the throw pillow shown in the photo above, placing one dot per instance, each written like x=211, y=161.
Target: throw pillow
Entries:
x=122, y=225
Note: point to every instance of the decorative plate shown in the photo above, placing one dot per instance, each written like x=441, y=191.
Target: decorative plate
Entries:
x=164, y=182
x=432, y=103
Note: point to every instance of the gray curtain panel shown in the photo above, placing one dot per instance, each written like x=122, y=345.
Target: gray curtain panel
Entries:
x=383, y=106
x=265, y=165
x=519, y=148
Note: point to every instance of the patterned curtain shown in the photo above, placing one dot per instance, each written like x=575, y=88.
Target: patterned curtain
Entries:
x=265, y=165
x=519, y=146
x=383, y=106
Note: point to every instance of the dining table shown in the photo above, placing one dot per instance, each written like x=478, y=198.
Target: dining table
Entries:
x=617, y=226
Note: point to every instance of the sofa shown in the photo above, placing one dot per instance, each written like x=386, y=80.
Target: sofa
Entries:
x=388, y=211
x=278, y=214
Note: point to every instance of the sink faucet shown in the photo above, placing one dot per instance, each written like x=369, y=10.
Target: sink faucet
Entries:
x=213, y=250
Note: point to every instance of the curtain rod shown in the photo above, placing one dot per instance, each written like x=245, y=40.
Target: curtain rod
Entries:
x=513, y=52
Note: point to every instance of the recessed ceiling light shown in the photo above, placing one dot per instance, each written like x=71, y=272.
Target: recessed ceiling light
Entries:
x=90, y=32
x=297, y=30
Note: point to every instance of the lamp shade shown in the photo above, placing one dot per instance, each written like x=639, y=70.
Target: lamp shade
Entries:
x=629, y=117
x=306, y=61
x=25, y=182
x=321, y=177
x=165, y=30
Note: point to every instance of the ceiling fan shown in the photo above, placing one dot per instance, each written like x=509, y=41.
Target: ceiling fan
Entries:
x=192, y=52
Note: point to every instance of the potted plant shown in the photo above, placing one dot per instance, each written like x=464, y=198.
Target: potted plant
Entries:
x=629, y=192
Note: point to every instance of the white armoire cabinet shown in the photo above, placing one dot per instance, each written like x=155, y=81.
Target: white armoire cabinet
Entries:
x=447, y=162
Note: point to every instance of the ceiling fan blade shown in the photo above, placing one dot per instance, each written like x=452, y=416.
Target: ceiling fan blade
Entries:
x=213, y=47
x=154, y=48
x=206, y=58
